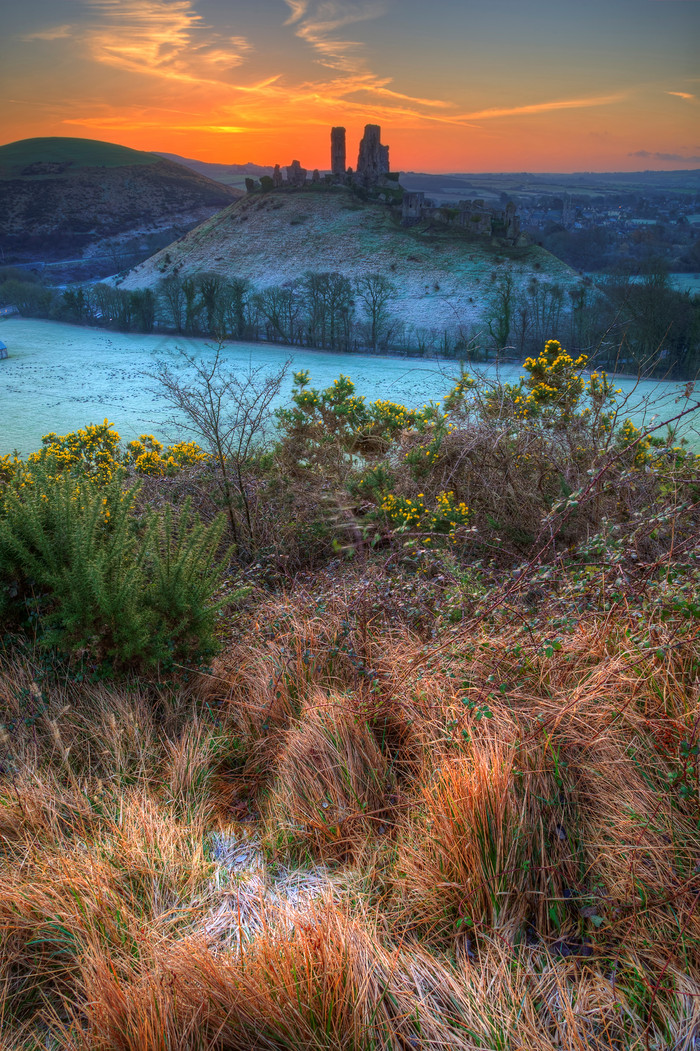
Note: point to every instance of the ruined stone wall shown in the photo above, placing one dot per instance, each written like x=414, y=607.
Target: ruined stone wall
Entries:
x=373, y=158
x=296, y=175
x=474, y=217
x=338, y=151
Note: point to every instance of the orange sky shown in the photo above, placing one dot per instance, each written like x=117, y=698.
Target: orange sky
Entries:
x=508, y=85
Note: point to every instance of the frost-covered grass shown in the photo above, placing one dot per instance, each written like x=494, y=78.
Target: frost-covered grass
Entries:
x=492, y=842
x=444, y=280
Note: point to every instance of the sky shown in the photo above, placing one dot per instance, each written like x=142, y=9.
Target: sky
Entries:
x=457, y=85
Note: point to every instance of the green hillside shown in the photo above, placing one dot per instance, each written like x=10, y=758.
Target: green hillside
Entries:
x=42, y=154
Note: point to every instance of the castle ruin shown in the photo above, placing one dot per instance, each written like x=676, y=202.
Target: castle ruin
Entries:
x=337, y=151
x=372, y=165
x=373, y=158
x=373, y=176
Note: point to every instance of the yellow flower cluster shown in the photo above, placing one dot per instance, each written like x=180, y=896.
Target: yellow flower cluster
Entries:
x=95, y=453
x=93, y=450
x=554, y=379
x=464, y=384
x=186, y=454
x=307, y=399
x=408, y=515
x=629, y=434
x=144, y=454
x=392, y=416
x=9, y=465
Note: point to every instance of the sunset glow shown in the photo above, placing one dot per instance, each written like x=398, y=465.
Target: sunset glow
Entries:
x=550, y=85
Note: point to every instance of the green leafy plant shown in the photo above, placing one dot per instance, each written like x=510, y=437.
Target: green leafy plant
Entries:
x=80, y=568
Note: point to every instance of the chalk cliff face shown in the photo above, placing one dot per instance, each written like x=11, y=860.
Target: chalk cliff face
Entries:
x=62, y=196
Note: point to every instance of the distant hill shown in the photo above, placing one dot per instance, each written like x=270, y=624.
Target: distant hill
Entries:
x=443, y=278
x=65, y=198
x=28, y=158
x=228, y=174
x=453, y=186
x=523, y=185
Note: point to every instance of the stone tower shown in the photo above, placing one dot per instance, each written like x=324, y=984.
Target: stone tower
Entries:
x=338, y=151
x=373, y=160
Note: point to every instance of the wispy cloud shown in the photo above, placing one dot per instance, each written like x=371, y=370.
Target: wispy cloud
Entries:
x=298, y=10
x=318, y=25
x=169, y=39
x=542, y=107
x=648, y=154
x=681, y=94
x=162, y=38
x=130, y=123
x=53, y=33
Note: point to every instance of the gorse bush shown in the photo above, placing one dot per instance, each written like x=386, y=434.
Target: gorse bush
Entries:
x=82, y=570
x=96, y=452
x=92, y=451
x=489, y=471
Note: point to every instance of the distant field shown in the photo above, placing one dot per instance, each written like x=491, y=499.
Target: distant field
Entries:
x=686, y=282
x=528, y=184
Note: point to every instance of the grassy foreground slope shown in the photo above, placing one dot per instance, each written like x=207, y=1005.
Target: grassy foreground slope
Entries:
x=440, y=786
x=444, y=279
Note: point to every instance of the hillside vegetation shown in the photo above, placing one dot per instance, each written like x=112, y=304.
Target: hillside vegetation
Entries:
x=28, y=158
x=444, y=279
x=438, y=786
x=62, y=197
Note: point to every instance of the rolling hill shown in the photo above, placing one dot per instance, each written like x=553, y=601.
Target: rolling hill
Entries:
x=444, y=279
x=66, y=197
x=229, y=174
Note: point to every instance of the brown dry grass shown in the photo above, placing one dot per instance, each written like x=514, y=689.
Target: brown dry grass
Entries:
x=513, y=853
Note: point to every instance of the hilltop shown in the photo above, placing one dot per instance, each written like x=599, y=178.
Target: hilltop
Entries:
x=63, y=197
x=443, y=276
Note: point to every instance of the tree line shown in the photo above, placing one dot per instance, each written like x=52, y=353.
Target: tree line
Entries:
x=623, y=322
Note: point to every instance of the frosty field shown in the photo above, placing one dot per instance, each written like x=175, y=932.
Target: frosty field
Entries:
x=60, y=377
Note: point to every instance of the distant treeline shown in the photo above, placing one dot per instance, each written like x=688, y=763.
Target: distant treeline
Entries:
x=624, y=322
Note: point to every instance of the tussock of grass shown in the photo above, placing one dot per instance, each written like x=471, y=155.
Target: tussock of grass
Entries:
x=333, y=782
x=344, y=836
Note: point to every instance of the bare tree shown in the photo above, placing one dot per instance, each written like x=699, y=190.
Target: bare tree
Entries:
x=172, y=298
x=500, y=311
x=230, y=413
x=374, y=292
x=281, y=307
x=211, y=287
x=235, y=297
x=328, y=301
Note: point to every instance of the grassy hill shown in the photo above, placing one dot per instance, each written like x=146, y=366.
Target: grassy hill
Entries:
x=63, y=197
x=24, y=159
x=444, y=279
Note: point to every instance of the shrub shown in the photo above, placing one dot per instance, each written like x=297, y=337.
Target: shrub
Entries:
x=79, y=567
x=96, y=451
